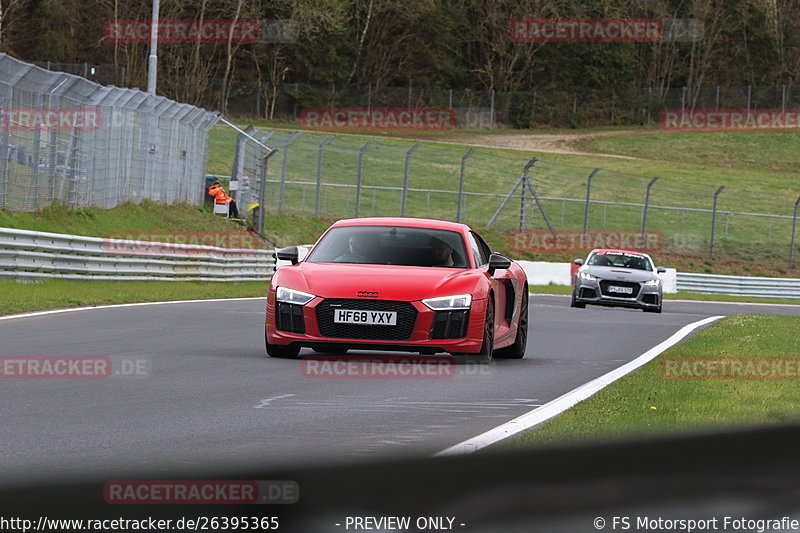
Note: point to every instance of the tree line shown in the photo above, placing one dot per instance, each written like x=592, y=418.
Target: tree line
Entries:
x=462, y=44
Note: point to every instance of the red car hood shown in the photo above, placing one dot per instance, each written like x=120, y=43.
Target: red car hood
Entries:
x=392, y=282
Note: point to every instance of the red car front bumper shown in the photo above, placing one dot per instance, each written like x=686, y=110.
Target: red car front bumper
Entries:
x=419, y=339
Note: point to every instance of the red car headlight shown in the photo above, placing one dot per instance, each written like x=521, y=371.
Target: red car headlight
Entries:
x=449, y=303
x=292, y=296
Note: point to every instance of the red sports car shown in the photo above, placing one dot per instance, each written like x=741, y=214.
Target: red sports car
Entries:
x=408, y=284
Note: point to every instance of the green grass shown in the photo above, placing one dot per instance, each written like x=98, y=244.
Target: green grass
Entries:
x=764, y=182
x=753, y=161
x=550, y=289
x=771, y=151
x=128, y=218
x=645, y=404
x=57, y=294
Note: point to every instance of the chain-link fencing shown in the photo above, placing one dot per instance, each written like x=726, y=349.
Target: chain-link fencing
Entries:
x=66, y=139
x=518, y=109
x=345, y=176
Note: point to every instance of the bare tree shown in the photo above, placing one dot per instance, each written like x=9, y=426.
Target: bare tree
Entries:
x=7, y=8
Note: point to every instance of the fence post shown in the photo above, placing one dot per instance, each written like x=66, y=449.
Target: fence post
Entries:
x=360, y=174
x=405, y=180
x=523, y=200
x=284, y=164
x=461, y=182
x=714, y=220
x=258, y=221
x=491, y=111
x=646, y=204
x=783, y=98
x=588, y=196
x=794, y=228
x=319, y=171
x=523, y=180
x=749, y=98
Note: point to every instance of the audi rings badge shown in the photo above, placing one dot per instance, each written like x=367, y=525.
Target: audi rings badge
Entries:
x=367, y=294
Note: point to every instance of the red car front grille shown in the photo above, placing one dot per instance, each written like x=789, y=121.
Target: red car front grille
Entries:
x=406, y=318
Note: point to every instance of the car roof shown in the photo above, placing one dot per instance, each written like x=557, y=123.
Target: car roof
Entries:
x=403, y=221
x=617, y=251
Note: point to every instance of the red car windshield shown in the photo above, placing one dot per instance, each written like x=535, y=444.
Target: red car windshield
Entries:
x=391, y=245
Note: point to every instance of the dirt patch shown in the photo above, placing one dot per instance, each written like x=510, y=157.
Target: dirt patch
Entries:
x=555, y=143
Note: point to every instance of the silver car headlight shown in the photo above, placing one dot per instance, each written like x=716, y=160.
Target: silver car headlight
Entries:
x=292, y=296
x=449, y=303
x=652, y=283
x=588, y=277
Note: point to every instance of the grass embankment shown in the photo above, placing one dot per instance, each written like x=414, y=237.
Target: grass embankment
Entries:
x=129, y=218
x=691, y=166
x=645, y=403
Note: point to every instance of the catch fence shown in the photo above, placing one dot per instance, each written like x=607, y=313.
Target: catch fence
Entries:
x=66, y=139
x=345, y=176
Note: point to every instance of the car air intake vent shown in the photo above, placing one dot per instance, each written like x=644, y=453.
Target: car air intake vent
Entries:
x=510, y=296
x=450, y=324
x=406, y=318
x=650, y=298
x=587, y=293
x=289, y=318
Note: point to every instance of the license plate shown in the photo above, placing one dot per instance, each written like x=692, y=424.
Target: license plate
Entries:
x=367, y=318
x=621, y=290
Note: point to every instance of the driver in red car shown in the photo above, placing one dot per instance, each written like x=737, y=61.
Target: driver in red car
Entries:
x=442, y=254
x=357, y=249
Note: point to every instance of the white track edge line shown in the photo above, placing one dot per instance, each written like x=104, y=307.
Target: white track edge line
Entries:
x=112, y=306
x=686, y=301
x=564, y=402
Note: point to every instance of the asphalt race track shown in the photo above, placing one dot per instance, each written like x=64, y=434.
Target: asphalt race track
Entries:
x=212, y=399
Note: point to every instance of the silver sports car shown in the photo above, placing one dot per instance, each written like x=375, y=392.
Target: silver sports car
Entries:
x=618, y=278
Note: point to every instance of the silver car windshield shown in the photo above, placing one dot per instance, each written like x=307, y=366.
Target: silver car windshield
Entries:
x=391, y=245
x=621, y=260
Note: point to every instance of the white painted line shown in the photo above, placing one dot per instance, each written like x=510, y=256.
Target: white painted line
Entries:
x=73, y=309
x=731, y=303
x=667, y=300
x=562, y=403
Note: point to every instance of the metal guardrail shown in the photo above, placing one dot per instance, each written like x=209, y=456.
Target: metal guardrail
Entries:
x=739, y=286
x=32, y=254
